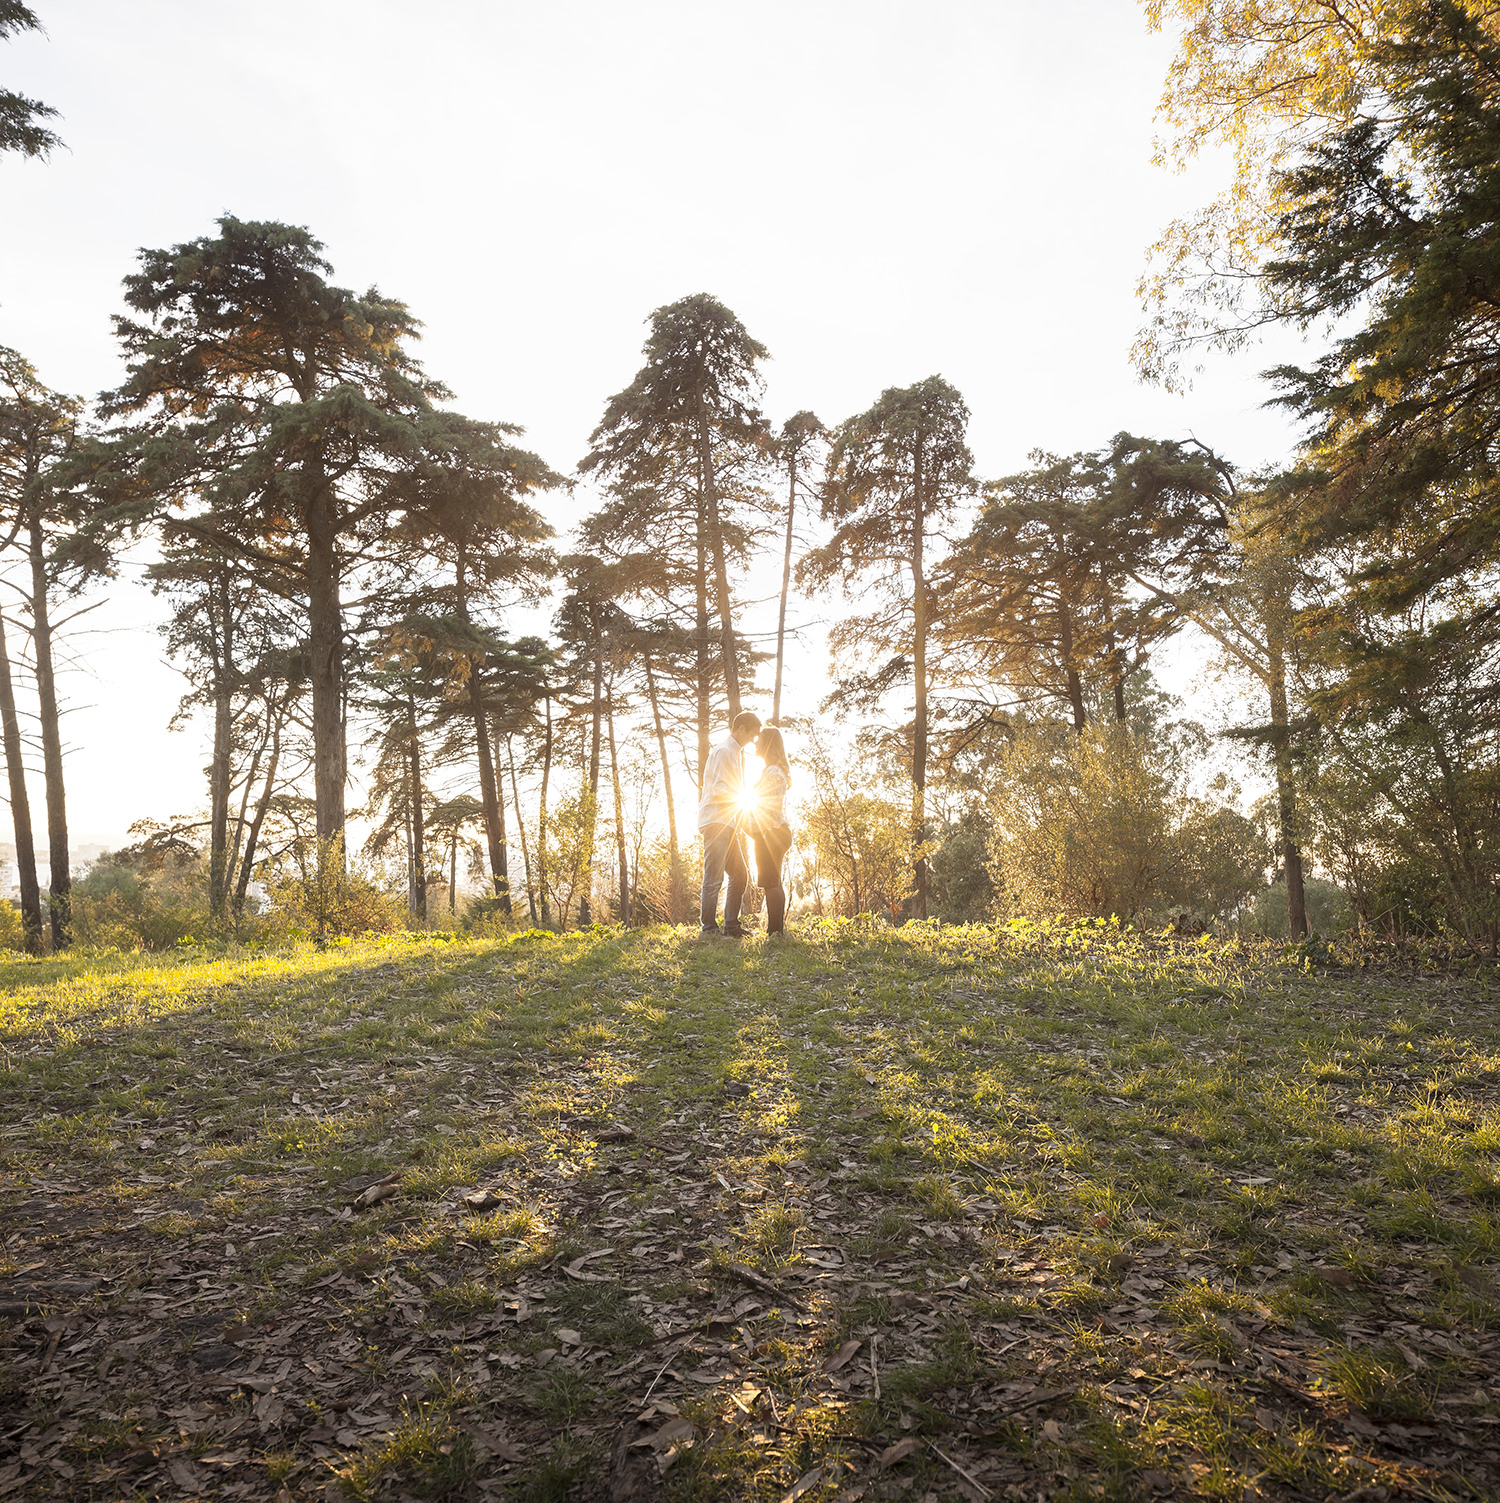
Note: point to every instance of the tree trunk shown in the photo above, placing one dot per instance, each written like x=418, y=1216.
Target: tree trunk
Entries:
x=20, y=808
x=1065, y=644
x=60, y=886
x=543, y=882
x=721, y=566
x=1111, y=652
x=1286, y=791
x=489, y=794
x=700, y=644
x=786, y=584
x=453, y=871
x=247, y=861
x=418, y=827
x=241, y=821
x=515, y=794
x=919, y=675
x=676, y=898
x=614, y=778
x=220, y=768
x=505, y=895
x=325, y=645
x=586, y=880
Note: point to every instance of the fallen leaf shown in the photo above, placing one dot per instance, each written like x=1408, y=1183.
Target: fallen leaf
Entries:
x=616, y=1132
x=677, y=1432
x=568, y=1337
x=492, y=1441
x=574, y=1270
x=898, y=1452
x=186, y=1475
x=481, y=1202
x=842, y=1356
x=804, y=1483
x=382, y=1189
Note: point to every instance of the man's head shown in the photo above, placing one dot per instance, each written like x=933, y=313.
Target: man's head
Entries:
x=746, y=727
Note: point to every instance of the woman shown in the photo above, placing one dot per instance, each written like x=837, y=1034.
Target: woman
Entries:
x=770, y=830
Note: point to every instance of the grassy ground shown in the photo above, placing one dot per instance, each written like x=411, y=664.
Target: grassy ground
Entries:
x=923, y=1214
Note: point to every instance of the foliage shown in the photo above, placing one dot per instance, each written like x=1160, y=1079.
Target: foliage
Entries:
x=20, y=118
x=962, y=886
x=1329, y=910
x=314, y=890
x=1103, y=821
x=1270, y=80
x=143, y=897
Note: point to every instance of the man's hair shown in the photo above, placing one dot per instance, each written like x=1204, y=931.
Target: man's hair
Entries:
x=746, y=720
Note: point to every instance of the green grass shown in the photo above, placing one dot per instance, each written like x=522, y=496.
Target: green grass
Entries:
x=1109, y=1217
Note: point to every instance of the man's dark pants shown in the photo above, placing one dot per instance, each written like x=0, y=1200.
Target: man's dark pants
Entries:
x=723, y=852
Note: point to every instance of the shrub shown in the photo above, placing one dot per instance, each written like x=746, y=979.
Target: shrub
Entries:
x=316, y=892
x=1328, y=910
x=963, y=889
x=141, y=899
x=12, y=935
x=1104, y=822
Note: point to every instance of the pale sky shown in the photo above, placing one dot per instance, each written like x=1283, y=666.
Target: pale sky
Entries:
x=882, y=191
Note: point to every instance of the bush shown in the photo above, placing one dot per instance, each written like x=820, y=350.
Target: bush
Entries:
x=1329, y=910
x=12, y=935
x=136, y=899
x=963, y=889
x=315, y=892
x=1103, y=822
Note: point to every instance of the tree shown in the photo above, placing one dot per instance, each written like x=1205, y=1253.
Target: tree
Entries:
x=1267, y=80
x=1026, y=602
x=894, y=473
x=281, y=406
x=236, y=646
x=800, y=435
x=20, y=118
x=1391, y=227
x=690, y=413
x=38, y=433
x=465, y=508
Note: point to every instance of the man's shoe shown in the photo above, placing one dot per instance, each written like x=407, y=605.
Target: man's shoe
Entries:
x=709, y=931
x=733, y=931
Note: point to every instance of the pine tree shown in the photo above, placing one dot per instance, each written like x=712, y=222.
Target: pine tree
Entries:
x=20, y=118
x=894, y=473
x=690, y=415
x=38, y=436
x=278, y=407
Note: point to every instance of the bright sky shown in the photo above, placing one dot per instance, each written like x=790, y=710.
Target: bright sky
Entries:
x=881, y=191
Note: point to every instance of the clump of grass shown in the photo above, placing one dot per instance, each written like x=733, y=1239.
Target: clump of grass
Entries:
x=1379, y=1381
x=426, y=1451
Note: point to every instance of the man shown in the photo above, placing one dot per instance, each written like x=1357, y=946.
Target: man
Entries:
x=718, y=823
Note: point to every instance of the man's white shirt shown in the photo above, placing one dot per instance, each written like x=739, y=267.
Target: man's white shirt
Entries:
x=723, y=782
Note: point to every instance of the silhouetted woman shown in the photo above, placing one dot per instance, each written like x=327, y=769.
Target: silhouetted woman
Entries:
x=771, y=832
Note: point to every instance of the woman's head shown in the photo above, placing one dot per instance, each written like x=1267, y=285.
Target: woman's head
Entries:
x=770, y=749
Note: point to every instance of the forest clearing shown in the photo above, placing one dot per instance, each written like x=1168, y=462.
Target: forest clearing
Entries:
x=929, y=1212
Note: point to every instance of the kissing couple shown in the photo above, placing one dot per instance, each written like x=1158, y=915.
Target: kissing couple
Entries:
x=728, y=812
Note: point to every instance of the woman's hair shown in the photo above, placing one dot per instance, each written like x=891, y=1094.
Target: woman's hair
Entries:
x=772, y=751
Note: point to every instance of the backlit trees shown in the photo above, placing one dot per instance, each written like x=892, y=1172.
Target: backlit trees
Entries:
x=895, y=472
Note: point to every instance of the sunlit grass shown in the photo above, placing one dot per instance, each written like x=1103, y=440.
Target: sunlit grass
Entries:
x=1098, y=1153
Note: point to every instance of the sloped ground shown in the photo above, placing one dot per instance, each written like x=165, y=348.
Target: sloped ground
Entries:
x=922, y=1214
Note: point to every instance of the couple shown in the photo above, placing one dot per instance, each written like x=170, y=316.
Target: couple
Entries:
x=729, y=811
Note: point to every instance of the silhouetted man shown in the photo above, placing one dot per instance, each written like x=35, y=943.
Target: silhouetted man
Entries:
x=718, y=823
